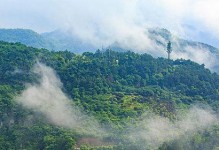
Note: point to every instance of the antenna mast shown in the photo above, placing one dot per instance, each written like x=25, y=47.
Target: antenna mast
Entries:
x=169, y=49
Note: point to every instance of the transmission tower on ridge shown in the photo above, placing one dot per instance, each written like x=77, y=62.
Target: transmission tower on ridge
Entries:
x=169, y=49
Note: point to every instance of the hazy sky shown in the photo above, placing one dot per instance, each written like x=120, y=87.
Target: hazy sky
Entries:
x=192, y=19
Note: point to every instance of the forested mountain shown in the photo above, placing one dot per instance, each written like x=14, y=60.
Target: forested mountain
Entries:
x=117, y=88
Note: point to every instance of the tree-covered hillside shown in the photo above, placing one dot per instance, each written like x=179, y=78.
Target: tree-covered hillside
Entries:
x=114, y=87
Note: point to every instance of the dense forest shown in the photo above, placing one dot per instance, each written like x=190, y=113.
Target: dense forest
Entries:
x=117, y=88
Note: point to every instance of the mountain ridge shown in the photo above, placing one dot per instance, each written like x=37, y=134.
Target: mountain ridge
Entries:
x=62, y=40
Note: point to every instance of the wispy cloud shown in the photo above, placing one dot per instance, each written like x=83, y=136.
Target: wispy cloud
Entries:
x=153, y=130
x=198, y=54
x=48, y=99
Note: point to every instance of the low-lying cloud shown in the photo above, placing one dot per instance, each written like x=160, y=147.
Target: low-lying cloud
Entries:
x=153, y=131
x=47, y=98
x=198, y=54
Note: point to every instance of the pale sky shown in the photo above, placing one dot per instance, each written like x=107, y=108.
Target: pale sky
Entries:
x=196, y=20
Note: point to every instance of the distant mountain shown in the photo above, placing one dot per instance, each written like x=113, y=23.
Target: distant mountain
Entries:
x=56, y=40
x=60, y=40
x=178, y=43
x=66, y=41
x=24, y=36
